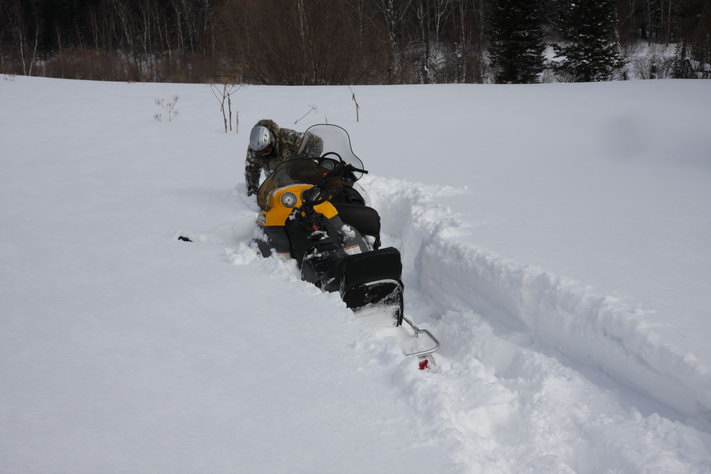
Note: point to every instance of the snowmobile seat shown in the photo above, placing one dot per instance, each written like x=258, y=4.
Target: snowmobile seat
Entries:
x=365, y=219
x=349, y=195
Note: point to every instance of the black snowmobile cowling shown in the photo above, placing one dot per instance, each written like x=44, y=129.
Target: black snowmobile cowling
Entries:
x=312, y=211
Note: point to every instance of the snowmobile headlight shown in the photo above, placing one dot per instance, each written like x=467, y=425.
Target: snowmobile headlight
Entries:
x=288, y=199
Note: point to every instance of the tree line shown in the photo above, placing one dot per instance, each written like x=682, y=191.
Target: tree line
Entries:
x=347, y=41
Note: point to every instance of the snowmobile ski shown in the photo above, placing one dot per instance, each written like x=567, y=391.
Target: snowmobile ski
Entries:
x=413, y=341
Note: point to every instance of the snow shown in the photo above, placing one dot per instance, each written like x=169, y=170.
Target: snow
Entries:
x=554, y=239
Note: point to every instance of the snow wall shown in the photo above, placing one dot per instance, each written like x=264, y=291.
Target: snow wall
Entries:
x=593, y=330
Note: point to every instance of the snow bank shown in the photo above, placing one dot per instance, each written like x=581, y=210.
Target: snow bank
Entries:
x=589, y=328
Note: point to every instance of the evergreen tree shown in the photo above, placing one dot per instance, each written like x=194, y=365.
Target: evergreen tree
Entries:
x=701, y=52
x=591, y=51
x=682, y=68
x=516, y=40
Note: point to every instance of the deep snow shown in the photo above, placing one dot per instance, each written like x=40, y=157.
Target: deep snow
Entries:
x=554, y=238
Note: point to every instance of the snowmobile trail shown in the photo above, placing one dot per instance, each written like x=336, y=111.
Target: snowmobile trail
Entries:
x=589, y=328
x=496, y=392
x=527, y=355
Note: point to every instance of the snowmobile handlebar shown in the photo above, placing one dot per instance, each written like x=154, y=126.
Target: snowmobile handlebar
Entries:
x=336, y=165
x=358, y=170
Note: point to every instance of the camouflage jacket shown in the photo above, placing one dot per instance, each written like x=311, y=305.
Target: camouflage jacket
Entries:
x=286, y=146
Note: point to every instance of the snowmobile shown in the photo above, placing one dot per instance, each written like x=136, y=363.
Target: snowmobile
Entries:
x=313, y=211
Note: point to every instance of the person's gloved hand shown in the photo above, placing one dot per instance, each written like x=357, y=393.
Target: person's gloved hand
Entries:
x=251, y=191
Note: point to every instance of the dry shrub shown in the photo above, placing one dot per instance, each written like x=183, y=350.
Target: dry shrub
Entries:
x=91, y=64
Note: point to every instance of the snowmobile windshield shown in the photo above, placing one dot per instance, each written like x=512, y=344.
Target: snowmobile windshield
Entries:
x=331, y=140
x=296, y=171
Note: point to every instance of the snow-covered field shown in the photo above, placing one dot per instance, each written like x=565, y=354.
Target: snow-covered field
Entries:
x=555, y=238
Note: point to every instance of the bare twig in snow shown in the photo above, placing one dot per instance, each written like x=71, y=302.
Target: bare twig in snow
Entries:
x=168, y=107
x=312, y=108
x=223, y=93
x=357, y=107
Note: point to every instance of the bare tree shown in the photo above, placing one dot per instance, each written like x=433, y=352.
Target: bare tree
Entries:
x=223, y=93
x=422, y=12
x=25, y=35
x=465, y=38
x=441, y=11
x=306, y=40
x=393, y=13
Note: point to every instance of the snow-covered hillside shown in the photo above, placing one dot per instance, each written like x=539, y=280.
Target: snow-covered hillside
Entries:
x=554, y=238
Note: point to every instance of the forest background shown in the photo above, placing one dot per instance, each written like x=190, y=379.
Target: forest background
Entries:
x=322, y=42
